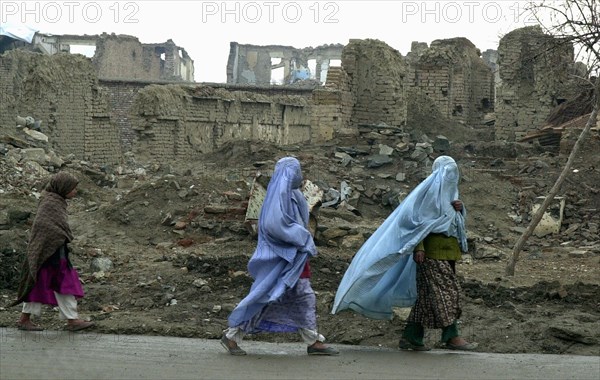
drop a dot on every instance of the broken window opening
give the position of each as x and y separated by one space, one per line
444 92
163 57
86 50
277 75
275 61
324 70
335 63
312 68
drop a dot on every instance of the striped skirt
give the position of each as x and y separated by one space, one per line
438 295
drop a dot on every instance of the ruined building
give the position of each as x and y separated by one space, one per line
90 109
62 91
452 73
535 76
264 65
377 76
123 57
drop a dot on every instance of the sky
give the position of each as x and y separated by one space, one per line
206 28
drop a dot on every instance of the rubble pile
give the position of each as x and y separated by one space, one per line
168 242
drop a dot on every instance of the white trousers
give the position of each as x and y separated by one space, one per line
308 336
67 307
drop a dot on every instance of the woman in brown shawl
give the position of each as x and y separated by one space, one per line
47 276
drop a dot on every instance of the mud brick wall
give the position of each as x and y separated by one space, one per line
102 138
332 107
534 71
377 81
122 95
61 91
179 122
456 78
124 57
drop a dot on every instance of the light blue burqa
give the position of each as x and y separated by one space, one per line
284 242
382 274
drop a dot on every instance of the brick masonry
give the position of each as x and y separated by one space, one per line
102 120
535 75
377 82
61 91
452 73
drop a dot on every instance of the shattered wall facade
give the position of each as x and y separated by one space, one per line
534 72
62 91
253 64
377 75
102 120
124 57
452 73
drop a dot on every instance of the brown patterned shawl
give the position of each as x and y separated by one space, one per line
50 230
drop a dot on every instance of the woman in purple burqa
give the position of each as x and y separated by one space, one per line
281 298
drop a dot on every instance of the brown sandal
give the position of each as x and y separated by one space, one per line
29 326
79 326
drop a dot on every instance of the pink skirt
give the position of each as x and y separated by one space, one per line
63 280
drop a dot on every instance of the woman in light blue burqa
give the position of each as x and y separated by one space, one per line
281 298
410 260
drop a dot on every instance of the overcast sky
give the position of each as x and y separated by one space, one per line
205 28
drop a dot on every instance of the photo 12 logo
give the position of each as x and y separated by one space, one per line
465 11
253 12
25 12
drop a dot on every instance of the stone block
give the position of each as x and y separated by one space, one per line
552 219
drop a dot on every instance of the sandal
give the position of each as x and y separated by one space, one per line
237 351
463 347
29 326
406 345
79 325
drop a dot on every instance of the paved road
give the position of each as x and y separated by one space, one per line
66 355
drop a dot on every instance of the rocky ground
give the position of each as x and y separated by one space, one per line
162 248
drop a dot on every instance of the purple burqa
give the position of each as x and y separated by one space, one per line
284 245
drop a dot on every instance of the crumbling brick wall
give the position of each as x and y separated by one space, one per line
534 72
332 107
62 92
180 122
126 58
377 76
452 73
122 95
